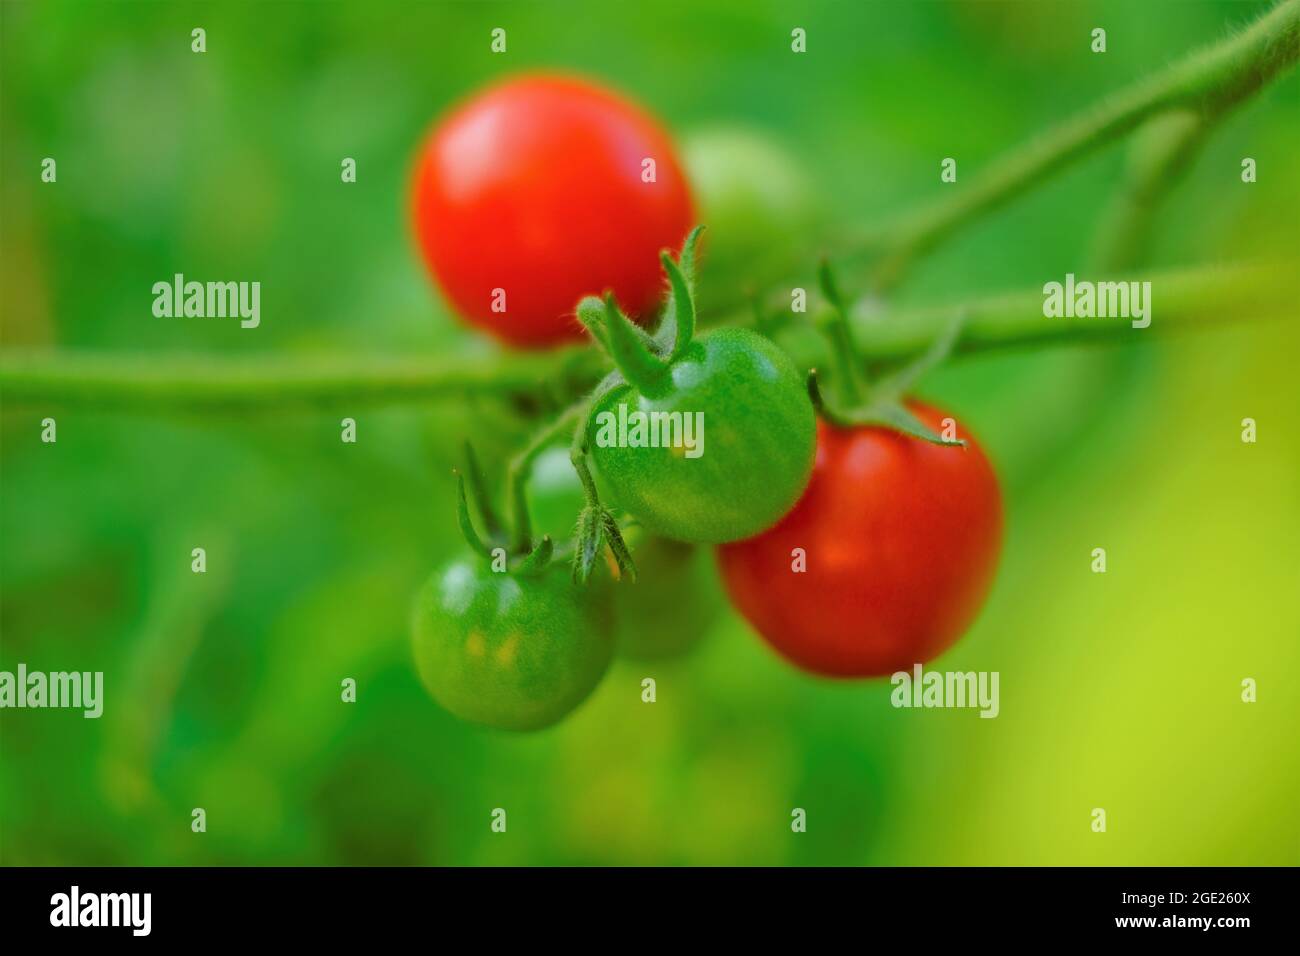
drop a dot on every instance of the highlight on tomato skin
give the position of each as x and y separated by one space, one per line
901 540
539 190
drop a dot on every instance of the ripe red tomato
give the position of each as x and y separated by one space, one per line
901 540
535 187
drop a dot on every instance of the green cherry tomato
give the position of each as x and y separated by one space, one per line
753 449
671 605
555 495
676 596
511 651
760 205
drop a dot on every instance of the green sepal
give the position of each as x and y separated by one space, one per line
463 518
538 559
617 546
630 351
666 338
478 488
587 546
591 313
884 412
894 415
830 288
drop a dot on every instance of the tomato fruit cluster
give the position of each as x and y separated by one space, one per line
857 543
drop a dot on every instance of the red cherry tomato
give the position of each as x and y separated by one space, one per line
901 539
535 187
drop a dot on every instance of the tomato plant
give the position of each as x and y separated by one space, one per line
537 191
900 538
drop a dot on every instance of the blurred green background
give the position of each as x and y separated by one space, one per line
1119 690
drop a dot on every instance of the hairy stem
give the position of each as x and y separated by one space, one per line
521 467
1182 299
1159 155
235 383
1210 82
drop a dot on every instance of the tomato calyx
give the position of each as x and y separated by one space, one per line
641 359
858 403
597 526
514 553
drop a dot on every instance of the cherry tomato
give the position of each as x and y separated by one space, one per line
536 187
512 651
555 495
758 438
670 606
901 539
676 596
760 206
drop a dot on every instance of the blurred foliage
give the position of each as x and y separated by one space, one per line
222 690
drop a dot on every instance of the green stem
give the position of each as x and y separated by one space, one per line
466 522
520 471
834 324
1211 82
479 491
1160 153
234 383
1184 298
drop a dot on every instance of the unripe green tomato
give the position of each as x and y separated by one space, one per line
676 596
671 605
759 206
757 449
555 495
515 652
